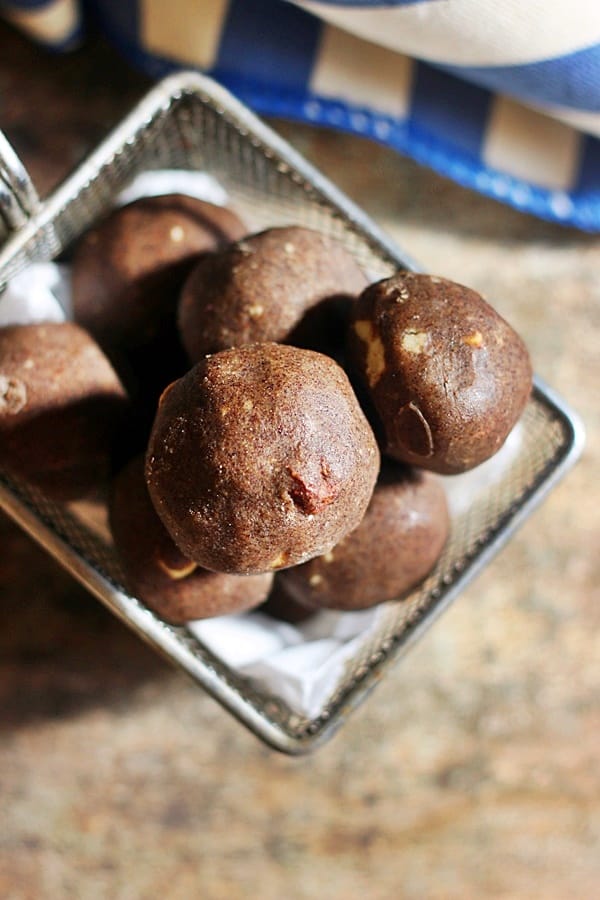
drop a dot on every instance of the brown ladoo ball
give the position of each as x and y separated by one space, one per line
128 270
278 285
260 458
158 573
447 375
395 546
61 404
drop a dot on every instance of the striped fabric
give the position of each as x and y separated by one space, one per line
502 97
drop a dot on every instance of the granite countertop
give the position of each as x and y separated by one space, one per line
471 771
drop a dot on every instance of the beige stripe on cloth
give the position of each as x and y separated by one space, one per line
183 30
50 25
531 146
361 73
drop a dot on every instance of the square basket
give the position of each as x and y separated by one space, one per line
188 122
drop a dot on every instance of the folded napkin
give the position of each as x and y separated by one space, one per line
502 97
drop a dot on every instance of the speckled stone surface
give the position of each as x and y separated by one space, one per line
471 771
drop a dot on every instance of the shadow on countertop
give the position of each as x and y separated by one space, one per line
61 652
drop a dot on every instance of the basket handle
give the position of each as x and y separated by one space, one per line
19 200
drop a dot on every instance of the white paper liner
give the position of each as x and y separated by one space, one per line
462 490
38 294
174 181
301 664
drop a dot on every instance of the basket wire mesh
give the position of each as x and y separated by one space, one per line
189 122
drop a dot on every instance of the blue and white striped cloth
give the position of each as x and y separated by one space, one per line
503 97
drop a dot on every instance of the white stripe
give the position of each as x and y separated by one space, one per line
473 32
361 73
531 146
184 30
51 25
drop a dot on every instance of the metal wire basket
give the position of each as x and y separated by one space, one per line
189 122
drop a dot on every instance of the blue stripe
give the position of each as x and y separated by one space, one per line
588 181
124 17
572 80
266 40
449 107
